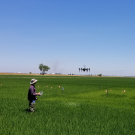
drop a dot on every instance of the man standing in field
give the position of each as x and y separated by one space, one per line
32 95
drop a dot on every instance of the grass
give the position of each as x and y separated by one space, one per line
82 108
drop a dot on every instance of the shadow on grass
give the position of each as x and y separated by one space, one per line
133 98
27 110
114 95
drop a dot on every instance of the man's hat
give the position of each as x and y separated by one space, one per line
33 81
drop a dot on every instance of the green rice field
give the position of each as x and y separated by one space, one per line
86 106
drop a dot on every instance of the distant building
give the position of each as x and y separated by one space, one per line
58 73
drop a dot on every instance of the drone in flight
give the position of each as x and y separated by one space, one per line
84 69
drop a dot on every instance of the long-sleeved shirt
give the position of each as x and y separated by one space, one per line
32 93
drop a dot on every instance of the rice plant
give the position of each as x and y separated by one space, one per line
86 106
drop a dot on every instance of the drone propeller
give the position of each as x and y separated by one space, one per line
81 69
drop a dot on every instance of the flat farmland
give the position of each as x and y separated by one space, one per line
85 105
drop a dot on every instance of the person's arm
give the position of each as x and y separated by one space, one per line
38 94
34 93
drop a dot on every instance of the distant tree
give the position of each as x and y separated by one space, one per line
30 72
99 75
40 67
43 68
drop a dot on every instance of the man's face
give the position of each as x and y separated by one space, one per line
34 83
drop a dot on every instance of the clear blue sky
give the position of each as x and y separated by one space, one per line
68 34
